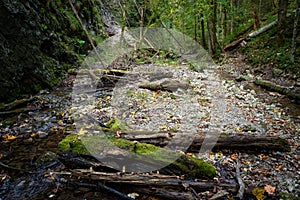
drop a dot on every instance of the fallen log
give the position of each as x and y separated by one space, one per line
233 44
268 85
243 143
155 181
262 29
129 156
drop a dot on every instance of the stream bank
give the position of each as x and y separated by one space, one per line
42 129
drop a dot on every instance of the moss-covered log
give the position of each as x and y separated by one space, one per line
277 88
244 143
144 155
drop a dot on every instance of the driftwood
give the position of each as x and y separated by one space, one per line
151 180
156 185
165 85
243 143
233 44
241 191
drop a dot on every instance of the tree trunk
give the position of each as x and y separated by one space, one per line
245 143
212 27
282 10
293 48
203 38
231 27
156 185
223 23
195 25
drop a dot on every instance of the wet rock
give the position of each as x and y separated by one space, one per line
46 159
36 43
41 134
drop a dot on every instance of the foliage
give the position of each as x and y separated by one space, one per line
263 51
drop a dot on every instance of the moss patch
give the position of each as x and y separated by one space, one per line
72 143
117 125
184 165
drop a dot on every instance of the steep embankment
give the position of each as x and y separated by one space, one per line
39 40
270 59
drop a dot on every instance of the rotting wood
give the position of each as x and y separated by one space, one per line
268 85
253 34
241 190
243 143
154 180
233 44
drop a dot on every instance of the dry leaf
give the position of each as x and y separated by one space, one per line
277 168
269 189
245 162
262 156
8 137
233 157
60 122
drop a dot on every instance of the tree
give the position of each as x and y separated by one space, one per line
293 49
281 26
212 27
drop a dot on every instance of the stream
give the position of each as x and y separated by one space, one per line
29 139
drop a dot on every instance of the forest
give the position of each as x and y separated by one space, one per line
150 99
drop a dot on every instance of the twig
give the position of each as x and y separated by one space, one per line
241 191
109 189
13 168
116 192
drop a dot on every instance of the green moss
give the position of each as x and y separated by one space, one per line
184 165
195 167
72 143
117 125
13 104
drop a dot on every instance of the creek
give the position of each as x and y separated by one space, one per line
27 138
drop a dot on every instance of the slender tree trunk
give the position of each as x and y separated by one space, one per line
231 27
293 49
282 10
223 22
259 9
195 25
203 37
212 27
182 16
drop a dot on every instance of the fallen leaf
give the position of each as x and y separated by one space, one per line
233 157
245 162
60 122
269 189
278 168
8 137
263 156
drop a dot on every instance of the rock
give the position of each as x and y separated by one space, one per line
41 134
46 158
39 41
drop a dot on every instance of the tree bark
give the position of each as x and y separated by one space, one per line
231 27
244 143
223 22
263 29
203 38
281 26
212 27
155 181
293 48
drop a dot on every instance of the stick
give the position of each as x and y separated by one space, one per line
241 191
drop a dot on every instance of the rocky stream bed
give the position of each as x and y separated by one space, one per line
207 101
